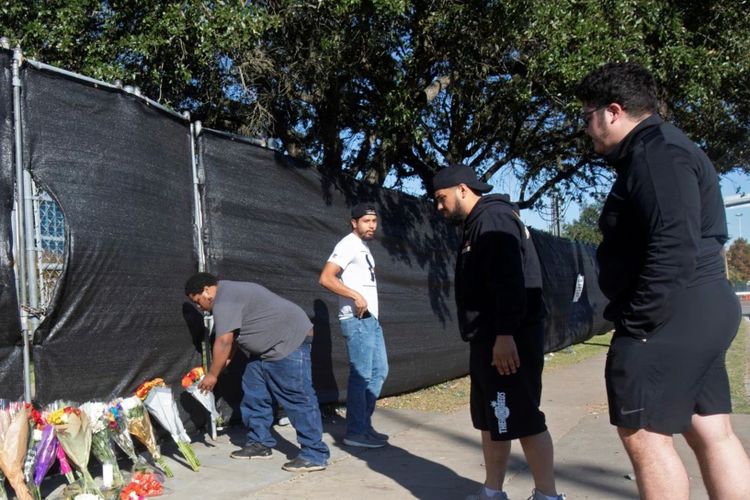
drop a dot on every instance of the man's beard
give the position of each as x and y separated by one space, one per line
455 218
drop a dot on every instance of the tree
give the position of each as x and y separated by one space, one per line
390 90
586 227
738 261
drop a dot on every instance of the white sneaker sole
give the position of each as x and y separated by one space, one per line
360 444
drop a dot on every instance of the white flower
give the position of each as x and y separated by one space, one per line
96 412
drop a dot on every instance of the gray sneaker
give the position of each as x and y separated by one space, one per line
480 495
301 465
252 451
536 495
364 441
377 435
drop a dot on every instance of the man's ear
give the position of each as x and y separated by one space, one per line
616 110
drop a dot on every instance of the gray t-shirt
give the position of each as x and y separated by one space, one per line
270 326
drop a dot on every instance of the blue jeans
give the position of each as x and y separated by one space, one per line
289 380
368 367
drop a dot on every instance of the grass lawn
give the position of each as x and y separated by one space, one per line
453 394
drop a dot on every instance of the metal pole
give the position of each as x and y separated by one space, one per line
197 204
198 180
739 219
26 269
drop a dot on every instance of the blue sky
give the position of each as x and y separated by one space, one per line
738 219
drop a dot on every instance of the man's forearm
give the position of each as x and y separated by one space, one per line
222 350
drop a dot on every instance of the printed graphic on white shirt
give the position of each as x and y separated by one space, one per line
353 256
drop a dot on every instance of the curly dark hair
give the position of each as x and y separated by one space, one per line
197 282
628 84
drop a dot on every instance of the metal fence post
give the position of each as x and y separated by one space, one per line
26 260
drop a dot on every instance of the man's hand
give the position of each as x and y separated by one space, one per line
361 304
208 383
505 355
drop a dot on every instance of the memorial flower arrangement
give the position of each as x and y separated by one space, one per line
14 436
36 425
158 399
73 430
190 383
118 429
101 444
139 425
46 453
142 485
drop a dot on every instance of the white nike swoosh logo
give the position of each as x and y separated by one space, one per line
623 411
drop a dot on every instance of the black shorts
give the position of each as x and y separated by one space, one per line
508 405
659 382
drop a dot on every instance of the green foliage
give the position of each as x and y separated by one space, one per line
395 87
738 261
586 227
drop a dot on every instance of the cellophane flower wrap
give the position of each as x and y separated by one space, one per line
101 444
65 468
3 493
190 383
139 425
161 404
118 429
46 453
14 437
73 430
36 425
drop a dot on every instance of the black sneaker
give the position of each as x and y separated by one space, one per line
302 465
252 451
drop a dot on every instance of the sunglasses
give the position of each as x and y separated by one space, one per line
586 115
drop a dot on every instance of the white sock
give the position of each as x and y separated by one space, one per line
490 492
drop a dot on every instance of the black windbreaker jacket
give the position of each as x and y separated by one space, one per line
663 226
498 277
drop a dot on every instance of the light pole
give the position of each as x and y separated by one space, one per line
739 221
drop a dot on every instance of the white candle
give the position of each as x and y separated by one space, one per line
107 475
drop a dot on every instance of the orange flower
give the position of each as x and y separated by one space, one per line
145 388
193 376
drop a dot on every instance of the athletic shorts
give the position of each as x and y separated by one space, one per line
508 405
660 381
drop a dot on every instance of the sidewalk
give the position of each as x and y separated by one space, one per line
436 456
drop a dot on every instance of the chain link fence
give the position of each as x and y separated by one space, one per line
50 237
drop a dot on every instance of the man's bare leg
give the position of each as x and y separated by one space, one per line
659 471
725 466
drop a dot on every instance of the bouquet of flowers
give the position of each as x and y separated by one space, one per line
118 429
14 436
73 430
101 446
143 485
36 423
190 383
46 454
139 425
160 403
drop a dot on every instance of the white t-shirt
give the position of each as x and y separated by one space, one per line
358 273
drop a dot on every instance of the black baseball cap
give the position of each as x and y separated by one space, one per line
456 174
362 209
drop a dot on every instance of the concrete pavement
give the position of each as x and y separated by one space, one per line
435 456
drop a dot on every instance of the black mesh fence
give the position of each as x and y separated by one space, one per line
120 172
275 222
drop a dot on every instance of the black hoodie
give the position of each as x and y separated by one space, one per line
498 277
